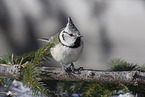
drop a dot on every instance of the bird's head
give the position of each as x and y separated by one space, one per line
70 35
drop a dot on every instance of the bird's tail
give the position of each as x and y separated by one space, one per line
44 39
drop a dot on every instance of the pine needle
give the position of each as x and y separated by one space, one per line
32 73
121 65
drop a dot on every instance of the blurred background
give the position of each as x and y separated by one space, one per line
111 28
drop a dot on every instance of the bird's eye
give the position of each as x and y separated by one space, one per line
71 34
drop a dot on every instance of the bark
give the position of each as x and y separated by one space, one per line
54 73
129 77
10 71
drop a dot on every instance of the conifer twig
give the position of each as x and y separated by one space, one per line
31 73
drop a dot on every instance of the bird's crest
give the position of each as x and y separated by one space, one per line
70 25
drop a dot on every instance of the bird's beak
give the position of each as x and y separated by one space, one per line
79 35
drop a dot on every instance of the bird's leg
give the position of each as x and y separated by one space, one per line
76 71
72 67
63 67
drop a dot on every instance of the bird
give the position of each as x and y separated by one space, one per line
68 45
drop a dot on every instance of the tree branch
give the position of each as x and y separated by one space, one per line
54 73
10 71
130 77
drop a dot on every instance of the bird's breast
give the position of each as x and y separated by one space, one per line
65 55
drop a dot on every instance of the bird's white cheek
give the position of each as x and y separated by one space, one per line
70 40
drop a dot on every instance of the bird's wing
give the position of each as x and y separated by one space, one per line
54 39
